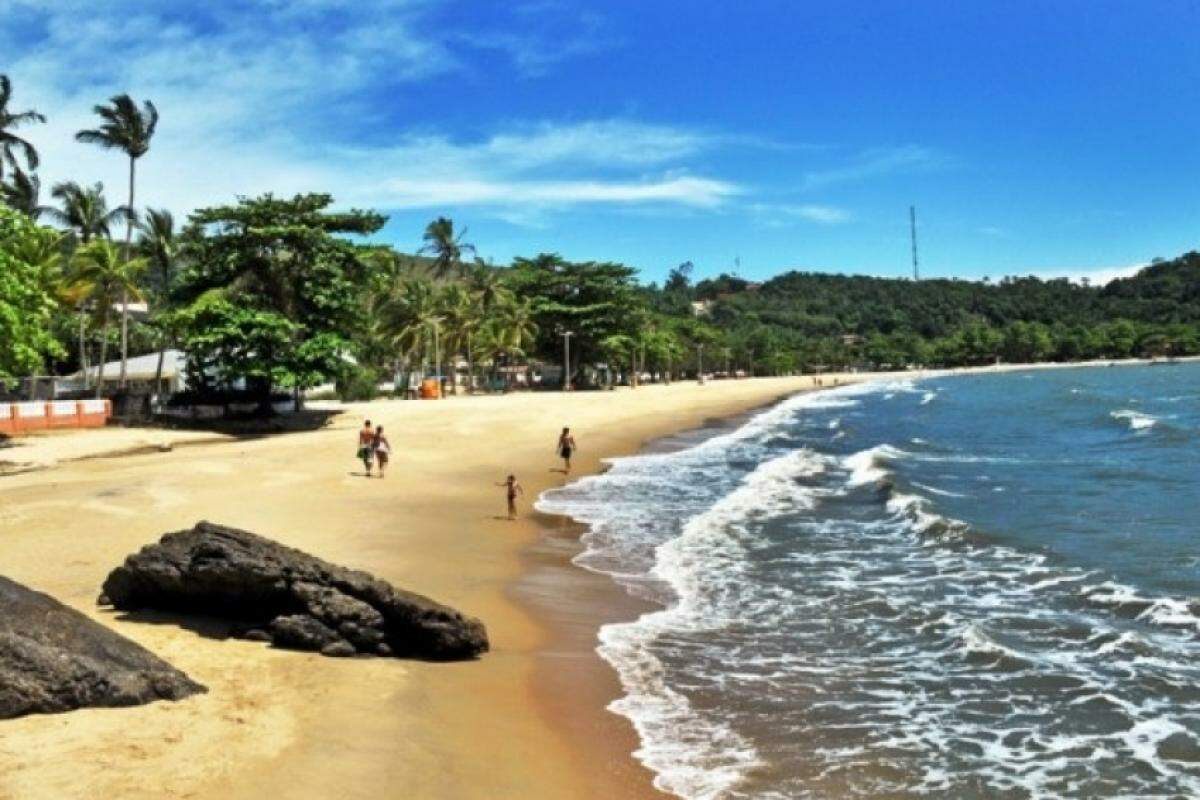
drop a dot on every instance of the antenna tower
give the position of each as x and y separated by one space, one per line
912 221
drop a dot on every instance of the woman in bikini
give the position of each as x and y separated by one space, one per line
566 446
382 448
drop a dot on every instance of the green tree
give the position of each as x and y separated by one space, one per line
592 300
23 193
287 261
158 246
105 279
27 303
84 211
445 246
127 128
10 143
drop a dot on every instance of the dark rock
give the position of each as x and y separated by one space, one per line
338 649
302 601
255 635
52 658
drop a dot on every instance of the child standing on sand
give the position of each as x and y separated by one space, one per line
366 451
514 489
566 446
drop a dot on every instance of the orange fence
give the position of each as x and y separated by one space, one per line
18 418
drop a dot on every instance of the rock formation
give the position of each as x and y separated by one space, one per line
52 658
288 597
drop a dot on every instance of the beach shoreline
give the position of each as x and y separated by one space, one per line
307 726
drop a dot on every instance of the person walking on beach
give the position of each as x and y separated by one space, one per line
366 450
566 446
382 448
514 489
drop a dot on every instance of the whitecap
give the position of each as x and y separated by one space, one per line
1136 420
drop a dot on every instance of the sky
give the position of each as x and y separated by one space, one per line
1050 138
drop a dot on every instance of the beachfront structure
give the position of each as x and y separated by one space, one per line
140 372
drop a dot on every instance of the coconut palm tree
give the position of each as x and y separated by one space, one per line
460 309
446 248
85 215
127 128
413 318
84 211
105 279
510 329
10 143
23 193
487 284
158 246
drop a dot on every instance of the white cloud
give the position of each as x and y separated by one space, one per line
783 215
878 162
247 110
1096 276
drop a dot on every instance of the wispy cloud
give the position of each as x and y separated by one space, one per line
776 215
875 163
279 101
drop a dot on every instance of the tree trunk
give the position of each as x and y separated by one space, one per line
470 367
158 370
125 292
103 355
83 360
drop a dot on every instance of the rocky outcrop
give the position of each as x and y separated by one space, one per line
288 597
52 658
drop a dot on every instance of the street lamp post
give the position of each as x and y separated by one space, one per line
567 360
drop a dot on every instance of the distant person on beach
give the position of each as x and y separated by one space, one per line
514 489
366 441
566 446
382 448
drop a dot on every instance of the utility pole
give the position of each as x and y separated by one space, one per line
567 360
912 220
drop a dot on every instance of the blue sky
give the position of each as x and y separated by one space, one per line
1033 137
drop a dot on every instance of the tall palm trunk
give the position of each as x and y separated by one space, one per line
83 359
470 367
125 292
103 353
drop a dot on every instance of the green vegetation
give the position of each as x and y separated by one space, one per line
270 294
27 303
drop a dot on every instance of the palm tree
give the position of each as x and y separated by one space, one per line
10 143
510 329
487 284
158 246
84 211
85 214
23 193
105 279
446 248
413 317
461 312
127 128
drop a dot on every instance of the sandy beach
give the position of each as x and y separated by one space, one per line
527 720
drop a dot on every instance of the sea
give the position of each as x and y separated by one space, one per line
972 586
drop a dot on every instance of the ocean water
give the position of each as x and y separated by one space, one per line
980 586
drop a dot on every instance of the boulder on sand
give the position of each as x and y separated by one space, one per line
52 658
289 597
